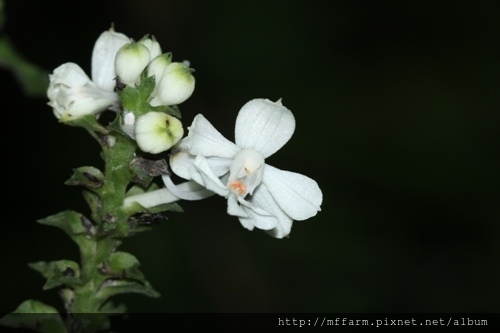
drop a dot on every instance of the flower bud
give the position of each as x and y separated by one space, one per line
153 46
156 132
103 58
131 60
157 67
175 86
128 125
72 94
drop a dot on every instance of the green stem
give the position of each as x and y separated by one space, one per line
84 305
113 219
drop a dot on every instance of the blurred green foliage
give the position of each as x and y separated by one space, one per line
33 79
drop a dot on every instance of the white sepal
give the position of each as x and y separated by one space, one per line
264 126
205 140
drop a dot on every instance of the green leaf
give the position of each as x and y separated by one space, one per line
145 169
87 176
94 202
172 110
58 273
146 86
71 222
123 264
123 268
113 287
110 308
131 99
35 315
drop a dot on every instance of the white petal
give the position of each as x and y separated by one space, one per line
257 216
205 140
188 190
264 126
247 223
203 175
181 162
267 214
218 165
299 196
233 207
103 58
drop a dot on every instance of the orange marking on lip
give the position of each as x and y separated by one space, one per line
238 187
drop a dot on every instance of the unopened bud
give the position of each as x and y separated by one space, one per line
156 132
131 60
153 46
157 67
175 86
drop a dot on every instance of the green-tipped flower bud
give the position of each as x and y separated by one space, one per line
156 132
131 60
157 67
153 46
175 86
72 94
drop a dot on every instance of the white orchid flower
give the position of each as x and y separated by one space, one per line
72 94
260 195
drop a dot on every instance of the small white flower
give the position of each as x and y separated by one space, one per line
156 132
258 194
72 94
175 86
103 58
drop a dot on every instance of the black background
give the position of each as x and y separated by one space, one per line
398 117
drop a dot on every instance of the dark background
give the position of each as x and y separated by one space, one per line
398 115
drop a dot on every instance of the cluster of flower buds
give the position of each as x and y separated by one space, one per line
119 62
174 82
